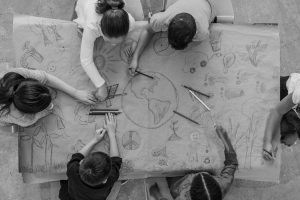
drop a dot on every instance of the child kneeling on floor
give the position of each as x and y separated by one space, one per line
203 185
92 176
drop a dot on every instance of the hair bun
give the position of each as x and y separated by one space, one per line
115 4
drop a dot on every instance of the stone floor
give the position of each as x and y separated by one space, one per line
247 11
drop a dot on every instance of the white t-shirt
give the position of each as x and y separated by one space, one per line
293 86
201 10
89 20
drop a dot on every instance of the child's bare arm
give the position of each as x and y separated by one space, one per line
144 38
110 125
83 96
89 146
222 134
273 124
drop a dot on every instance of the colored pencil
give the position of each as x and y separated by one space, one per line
105 110
185 117
189 88
199 100
139 72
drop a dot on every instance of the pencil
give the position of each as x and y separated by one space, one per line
139 72
199 100
189 88
105 110
185 117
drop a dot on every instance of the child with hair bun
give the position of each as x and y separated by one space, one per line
106 19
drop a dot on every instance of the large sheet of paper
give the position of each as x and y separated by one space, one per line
238 66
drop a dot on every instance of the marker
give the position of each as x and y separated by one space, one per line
189 88
185 117
139 72
199 100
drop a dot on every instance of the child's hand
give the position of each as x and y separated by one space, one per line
85 97
101 93
99 134
110 124
132 67
268 153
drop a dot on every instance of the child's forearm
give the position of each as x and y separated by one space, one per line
59 84
272 127
144 38
113 147
88 147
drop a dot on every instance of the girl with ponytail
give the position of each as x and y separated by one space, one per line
107 19
25 96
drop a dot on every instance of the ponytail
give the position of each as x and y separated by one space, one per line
105 5
27 95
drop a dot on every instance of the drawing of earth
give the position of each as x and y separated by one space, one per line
149 103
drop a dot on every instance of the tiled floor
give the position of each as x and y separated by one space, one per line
11 186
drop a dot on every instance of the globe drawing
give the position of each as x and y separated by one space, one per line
149 103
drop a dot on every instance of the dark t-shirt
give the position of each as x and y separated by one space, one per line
78 190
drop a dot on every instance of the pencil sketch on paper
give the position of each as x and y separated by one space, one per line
30 52
81 114
75 148
255 52
105 58
48 33
211 80
215 40
194 60
46 135
231 93
127 49
151 106
160 152
127 167
174 128
131 140
228 61
161 45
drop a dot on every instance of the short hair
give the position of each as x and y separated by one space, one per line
115 20
95 168
181 31
26 94
205 187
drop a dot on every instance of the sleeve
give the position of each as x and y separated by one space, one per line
202 31
86 57
7 119
73 164
39 75
115 168
226 176
158 23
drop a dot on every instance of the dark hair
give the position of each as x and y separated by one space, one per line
95 168
205 187
115 20
290 124
27 95
181 31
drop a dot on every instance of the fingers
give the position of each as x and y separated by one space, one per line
267 155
